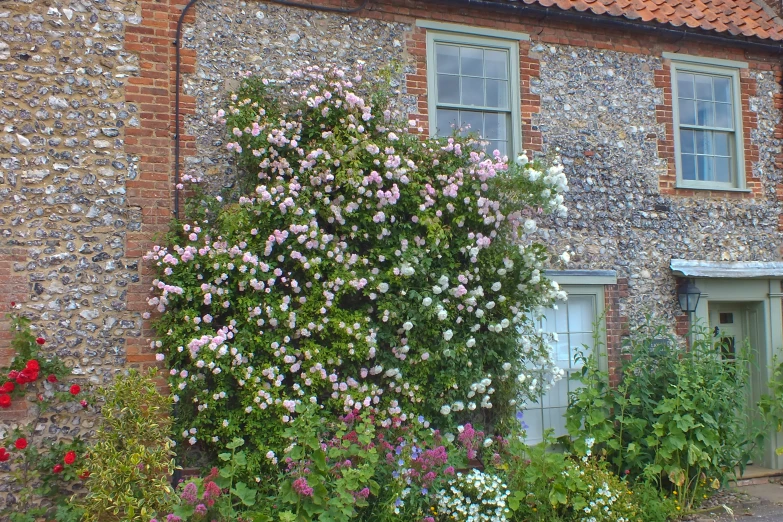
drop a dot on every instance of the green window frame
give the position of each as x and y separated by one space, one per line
475 80
707 116
549 411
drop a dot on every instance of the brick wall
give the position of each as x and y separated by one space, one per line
154 90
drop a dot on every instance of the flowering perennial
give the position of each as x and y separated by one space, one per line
368 269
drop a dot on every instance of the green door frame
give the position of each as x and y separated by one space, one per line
768 293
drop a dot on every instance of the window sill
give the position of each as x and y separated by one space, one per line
709 188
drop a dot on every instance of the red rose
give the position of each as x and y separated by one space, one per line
70 457
21 443
32 364
84 475
13 374
75 389
5 401
13 303
27 375
4 455
8 387
40 340
52 378
57 468
83 403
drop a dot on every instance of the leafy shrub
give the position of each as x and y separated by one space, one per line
771 404
330 466
676 417
218 496
367 269
653 506
42 470
131 460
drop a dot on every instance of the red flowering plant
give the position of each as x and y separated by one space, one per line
41 469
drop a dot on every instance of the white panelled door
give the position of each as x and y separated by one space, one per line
573 321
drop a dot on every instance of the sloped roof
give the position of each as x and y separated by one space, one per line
748 18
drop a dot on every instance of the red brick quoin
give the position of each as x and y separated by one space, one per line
153 91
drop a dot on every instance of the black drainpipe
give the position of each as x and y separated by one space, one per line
177 46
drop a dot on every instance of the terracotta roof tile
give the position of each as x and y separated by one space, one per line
737 17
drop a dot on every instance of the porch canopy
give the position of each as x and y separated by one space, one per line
727 269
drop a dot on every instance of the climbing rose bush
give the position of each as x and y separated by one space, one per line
366 268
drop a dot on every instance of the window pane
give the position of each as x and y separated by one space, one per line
722 89
581 343
687 112
447 58
723 116
688 166
722 170
448 89
685 85
447 122
472 61
704 165
580 313
496 64
472 122
495 125
704 142
721 142
703 87
497 93
472 91
704 114
500 146
686 141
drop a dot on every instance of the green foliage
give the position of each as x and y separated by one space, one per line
356 253
131 461
549 485
330 464
677 416
771 404
654 506
220 496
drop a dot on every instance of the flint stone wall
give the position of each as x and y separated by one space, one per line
63 210
597 111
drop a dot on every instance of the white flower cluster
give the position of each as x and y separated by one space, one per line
475 497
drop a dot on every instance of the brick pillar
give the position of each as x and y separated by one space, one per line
152 192
616 327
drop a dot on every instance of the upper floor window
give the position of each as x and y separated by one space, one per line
473 85
708 127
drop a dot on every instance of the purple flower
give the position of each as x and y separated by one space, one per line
201 509
190 493
301 486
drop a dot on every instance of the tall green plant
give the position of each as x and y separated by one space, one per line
678 415
131 461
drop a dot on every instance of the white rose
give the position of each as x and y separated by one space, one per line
426 301
407 326
448 334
